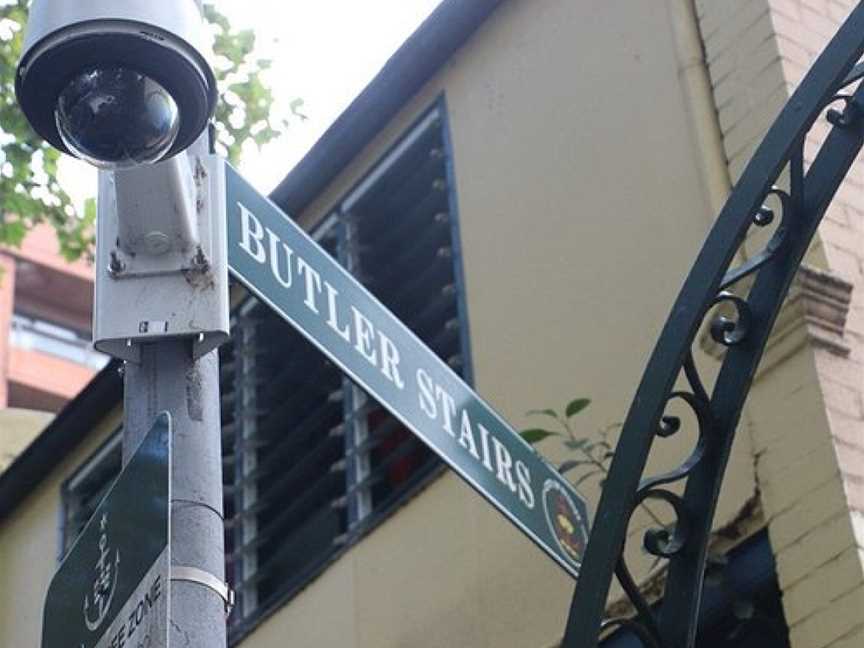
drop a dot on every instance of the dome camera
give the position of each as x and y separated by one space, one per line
116 83
115 117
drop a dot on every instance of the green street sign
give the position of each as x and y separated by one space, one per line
284 267
112 588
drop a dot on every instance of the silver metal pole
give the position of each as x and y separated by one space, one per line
167 378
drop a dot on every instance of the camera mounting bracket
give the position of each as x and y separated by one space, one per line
161 257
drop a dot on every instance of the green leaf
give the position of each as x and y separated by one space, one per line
90 210
13 233
576 444
576 406
296 106
22 179
535 435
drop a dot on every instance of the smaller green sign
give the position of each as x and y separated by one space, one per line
281 264
112 589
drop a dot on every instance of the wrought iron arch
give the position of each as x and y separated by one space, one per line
830 89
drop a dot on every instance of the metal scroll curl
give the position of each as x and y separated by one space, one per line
742 328
763 217
668 541
730 331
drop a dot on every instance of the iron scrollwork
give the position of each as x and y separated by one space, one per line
748 311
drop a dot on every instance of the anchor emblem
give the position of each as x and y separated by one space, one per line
105 584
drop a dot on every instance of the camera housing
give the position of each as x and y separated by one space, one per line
86 64
114 117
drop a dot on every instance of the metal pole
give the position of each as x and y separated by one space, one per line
167 378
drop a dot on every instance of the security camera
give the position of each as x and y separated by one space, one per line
117 83
126 86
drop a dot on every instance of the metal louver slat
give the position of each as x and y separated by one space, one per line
319 493
296 436
299 551
404 225
327 460
325 452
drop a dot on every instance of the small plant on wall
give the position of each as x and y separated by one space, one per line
592 454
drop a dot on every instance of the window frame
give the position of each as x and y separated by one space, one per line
34 333
434 115
113 443
359 524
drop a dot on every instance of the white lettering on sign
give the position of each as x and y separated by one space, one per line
142 621
436 403
105 582
350 324
253 235
286 278
333 315
390 360
313 283
136 618
359 333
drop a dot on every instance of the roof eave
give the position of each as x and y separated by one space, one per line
70 427
413 64
447 28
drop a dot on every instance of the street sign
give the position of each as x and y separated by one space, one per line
112 589
284 267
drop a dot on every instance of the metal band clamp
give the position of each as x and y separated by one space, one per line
208 580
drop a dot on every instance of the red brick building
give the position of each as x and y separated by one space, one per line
46 355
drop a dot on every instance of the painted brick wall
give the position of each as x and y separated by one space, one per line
7 293
806 412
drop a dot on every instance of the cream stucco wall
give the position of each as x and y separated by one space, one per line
583 202
18 428
807 415
30 545
582 206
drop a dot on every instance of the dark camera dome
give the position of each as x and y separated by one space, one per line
115 117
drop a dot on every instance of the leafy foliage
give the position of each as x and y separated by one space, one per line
243 113
29 191
536 435
593 453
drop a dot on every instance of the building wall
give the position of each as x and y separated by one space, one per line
30 546
19 427
581 167
806 409
7 292
38 282
576 237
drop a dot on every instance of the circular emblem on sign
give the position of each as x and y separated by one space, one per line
565 522
107 574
